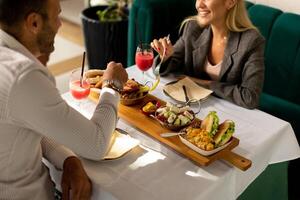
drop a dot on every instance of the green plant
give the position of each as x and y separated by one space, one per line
116 10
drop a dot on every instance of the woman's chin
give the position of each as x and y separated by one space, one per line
203 21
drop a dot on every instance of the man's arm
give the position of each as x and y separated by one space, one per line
74 183
55 153
36 103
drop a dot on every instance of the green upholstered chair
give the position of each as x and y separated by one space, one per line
281 93
282 59
248 4
263 18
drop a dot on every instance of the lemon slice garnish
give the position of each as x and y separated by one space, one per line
155 84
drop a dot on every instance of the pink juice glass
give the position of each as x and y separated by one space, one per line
144 60
79 92
144 57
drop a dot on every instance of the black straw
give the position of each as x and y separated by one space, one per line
139 36
82 68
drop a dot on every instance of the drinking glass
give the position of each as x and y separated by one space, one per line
79 91
144 57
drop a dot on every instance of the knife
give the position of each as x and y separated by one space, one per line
122 131
171 134
185 94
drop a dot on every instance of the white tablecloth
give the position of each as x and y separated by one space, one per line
152 171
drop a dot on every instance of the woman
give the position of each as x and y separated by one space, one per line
222 49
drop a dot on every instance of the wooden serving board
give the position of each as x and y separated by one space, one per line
150 126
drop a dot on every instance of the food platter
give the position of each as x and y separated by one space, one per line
148 125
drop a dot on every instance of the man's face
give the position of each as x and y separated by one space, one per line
51 24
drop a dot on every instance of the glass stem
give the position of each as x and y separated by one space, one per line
143 80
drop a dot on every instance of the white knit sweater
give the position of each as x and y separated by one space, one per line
35 121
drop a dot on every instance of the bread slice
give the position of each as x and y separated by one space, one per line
225 131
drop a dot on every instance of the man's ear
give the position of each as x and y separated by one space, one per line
34 22
230 3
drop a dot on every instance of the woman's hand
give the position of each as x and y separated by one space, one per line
75 183
160 45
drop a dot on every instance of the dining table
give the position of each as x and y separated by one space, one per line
155 171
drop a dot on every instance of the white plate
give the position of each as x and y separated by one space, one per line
120 145
203 152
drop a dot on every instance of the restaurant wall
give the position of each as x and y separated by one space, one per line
285 5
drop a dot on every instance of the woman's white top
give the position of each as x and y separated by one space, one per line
212 70
36 122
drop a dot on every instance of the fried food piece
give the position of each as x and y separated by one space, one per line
200 138
99 83
94 80
93 73
131 86
94 77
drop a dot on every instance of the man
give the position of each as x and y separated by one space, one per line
34 119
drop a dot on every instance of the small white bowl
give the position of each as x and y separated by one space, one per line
201 151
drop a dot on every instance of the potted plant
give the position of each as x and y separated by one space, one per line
117 10
105 30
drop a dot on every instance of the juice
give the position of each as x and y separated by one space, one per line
144 60
79 92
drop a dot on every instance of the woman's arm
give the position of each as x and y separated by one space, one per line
175 61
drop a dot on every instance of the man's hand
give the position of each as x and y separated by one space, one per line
75 183
115 71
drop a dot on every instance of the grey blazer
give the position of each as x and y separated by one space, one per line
242 70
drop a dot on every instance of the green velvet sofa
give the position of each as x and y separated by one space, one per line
281 92
151 19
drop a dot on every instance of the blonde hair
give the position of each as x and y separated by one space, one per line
237 19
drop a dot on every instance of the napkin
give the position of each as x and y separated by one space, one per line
120 145
194 91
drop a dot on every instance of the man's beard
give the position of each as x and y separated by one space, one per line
45 39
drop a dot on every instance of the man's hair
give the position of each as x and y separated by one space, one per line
12 12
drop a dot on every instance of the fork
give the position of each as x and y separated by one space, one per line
157 68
